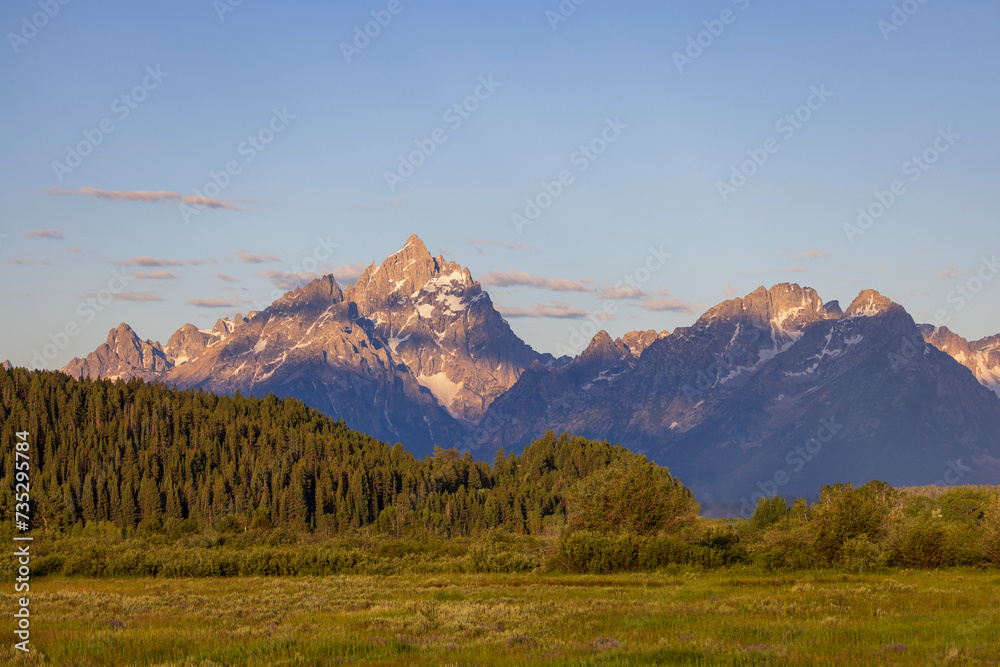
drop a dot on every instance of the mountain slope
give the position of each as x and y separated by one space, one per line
727 402
413 351
982 357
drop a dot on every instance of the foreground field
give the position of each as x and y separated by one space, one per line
719 618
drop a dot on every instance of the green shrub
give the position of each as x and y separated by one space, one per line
768 512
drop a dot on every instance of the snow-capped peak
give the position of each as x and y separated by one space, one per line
869 303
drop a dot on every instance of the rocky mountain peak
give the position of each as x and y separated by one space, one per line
404 272
637 341
322 292
601 346
6 365
869 303
833 308
123 355
123 333
786 307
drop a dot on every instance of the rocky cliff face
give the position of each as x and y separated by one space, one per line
123 356
982 357
440 324
190 342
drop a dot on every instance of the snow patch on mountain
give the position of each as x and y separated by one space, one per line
443 389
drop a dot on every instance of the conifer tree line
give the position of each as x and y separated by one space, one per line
146 455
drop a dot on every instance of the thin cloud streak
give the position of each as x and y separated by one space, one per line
138 296
660 304
525 279
251 258
557 310
214 303
147 196
154 275
53 234
811 253
501 244
155 261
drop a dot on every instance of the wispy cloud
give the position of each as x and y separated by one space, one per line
730 292
154 275
138 296
811 253
25 261
950 273
349 273
251 258
500 244
665 303
155 261
622 292
792 269
147 196
214 303
53 234
287 280
227 278
556 309
142 297
525 279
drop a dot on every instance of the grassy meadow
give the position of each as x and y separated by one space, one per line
943 617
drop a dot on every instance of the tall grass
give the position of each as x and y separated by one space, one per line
691 617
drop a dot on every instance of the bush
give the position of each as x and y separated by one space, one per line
768 512
498 552
918 544
860 554
634 495
595 553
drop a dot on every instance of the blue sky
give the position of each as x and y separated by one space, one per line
200 78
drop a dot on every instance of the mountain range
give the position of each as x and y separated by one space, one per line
775 392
